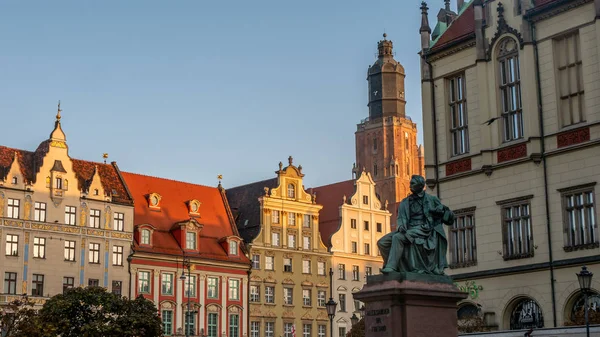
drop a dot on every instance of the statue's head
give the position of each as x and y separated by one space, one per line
417 184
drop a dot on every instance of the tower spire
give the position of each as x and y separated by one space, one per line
385 47
58 112
424 18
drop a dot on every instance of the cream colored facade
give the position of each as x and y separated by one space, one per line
354 248
511 183
284 295
38 246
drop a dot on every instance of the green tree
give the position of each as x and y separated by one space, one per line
19 319
93 312
358 329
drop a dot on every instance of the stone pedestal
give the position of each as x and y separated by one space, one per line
410 305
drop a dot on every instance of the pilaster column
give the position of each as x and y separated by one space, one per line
224 295
244 297
156 286
179 301
202 298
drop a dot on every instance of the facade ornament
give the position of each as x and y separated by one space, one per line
471 288
290 160
503 28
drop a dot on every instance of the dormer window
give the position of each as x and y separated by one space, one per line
190 240
145 237
194 207
154 200
96 192
291 191
14 180
233 248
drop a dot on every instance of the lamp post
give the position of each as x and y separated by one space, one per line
187 264
331 304
354 319
585 282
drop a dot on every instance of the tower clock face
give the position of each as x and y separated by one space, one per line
375 88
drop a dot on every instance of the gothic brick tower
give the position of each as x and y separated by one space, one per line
386 141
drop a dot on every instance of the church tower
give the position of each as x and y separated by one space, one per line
386 141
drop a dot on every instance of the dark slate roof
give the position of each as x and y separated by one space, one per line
245 207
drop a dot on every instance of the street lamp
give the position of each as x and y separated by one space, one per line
585 281
187 264
331 304
354 319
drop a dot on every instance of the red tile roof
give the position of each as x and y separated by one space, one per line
215 216
331 197
462 27
30 163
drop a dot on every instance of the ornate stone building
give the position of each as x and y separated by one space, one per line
279 222
64 222
183 229
511 115
386 141
351 222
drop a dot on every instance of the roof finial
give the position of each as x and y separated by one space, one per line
424 18
105 156
447 4
384 35
220 177
58 113
290 160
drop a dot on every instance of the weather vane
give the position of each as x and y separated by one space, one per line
105 156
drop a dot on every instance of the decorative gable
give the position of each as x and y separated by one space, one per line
15 178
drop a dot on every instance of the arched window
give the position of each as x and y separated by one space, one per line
406 140
577 314
467 310
291 193
145 237
526 314
509 82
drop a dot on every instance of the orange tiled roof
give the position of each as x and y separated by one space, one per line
331 197
215 216
30 163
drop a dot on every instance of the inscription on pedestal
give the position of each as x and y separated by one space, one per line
377 320
380 316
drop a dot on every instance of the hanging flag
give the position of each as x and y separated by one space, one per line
294 330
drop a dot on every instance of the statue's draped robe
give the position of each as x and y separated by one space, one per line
426 244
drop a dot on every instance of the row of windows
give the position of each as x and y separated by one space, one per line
38 280
570 91
366 225
191 239
212 319
291 242
355 272
579 225
167 282
366 251
39 214
288 297
39 250
288 330
306 218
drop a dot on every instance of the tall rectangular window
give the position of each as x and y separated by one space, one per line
342 331
234 325
234 289
342 271
321 298
94 253
463 248
10 283
69 250
355 273
117 286
306 330
119 221
342 300
288 330
287 265
12 245
321 268
190 240
70 215
368 271
322 330
213 287
367 249
291 241
269 262
39 248
189 287
579 218
13 208
353 223
288 296
458 115
144 282
291 218
254 329
68 283
95 218
255 261
213 325
306 266
510 89
518 237
307 221
269 329
379 227
167 320
274 216
306 244
39 212
275 239
269 294
166 284
569 78
366 223
190 324
354 246
306 297
117 255
37 285
254 293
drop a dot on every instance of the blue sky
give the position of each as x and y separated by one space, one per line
191 89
